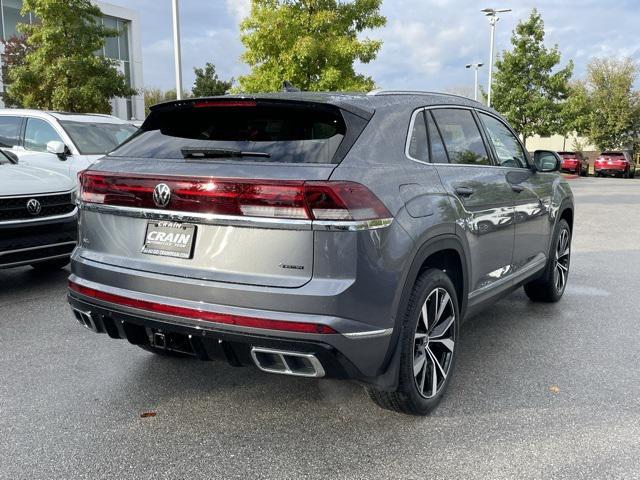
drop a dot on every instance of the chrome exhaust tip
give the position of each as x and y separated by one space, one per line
287 363
85 319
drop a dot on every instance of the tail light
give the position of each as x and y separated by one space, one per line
290 199
203 315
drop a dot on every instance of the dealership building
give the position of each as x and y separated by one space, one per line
125 48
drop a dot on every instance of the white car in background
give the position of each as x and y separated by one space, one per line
71 142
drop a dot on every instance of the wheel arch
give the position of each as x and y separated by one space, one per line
446 252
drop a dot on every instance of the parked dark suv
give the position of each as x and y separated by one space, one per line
339 235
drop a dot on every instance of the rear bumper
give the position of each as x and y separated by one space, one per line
353 352
598 168
26 243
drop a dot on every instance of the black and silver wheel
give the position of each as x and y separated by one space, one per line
428 341
434 342
552 284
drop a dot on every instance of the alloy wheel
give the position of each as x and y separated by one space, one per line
563 254
434 342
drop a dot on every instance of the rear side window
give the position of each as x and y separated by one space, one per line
9 130
305 133
418 146
461 136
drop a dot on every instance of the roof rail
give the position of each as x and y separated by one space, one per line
415 92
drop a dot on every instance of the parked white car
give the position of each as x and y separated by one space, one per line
70 142
38 215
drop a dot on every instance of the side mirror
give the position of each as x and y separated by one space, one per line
546 161
58 148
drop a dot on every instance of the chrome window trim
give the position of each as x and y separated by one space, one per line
459 107
237 221
28 221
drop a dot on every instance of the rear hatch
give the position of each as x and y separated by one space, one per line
222 189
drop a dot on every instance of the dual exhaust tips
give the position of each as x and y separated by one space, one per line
266 359
287 363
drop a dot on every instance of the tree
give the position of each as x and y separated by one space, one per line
575 112
16 48
61 72
615 105
526 89
207 83
311 43
153 96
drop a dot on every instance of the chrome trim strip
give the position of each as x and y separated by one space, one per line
318 371
370 334
27 221
35 260
8 252
27 197
351 226
519 273
230 220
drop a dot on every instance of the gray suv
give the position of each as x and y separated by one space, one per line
318 235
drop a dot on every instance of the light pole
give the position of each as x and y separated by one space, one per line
176 49
475 66
492 13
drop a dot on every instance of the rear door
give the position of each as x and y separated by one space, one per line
531 191
238 214
478 190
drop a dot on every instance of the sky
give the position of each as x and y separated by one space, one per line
427 43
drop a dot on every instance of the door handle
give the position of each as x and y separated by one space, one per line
517 188
464 191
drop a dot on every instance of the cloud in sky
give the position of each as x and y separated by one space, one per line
426 42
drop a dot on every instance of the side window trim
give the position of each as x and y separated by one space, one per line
412 123
515 135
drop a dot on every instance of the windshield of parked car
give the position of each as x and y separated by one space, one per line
612 154
97 138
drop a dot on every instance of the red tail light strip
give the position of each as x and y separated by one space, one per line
191 313
275 199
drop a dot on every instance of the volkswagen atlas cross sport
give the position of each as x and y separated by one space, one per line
38 215
318 235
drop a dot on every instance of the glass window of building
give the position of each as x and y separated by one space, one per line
11 17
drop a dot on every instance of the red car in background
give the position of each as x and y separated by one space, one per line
574 162
615 163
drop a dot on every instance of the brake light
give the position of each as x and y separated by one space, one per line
196 314
291 199
224 103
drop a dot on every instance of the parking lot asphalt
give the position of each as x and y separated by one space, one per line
539 391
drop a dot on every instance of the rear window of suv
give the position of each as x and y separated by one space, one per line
306 133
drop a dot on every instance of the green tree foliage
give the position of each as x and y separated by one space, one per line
526 88
61 71
311 43
575 111
614 120
207 83
16 48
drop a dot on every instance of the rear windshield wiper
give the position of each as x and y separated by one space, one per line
220 153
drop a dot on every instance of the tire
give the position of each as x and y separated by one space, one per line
50 265
632 173
551 285
626 174
432 353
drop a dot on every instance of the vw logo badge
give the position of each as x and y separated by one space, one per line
161 195
34 207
